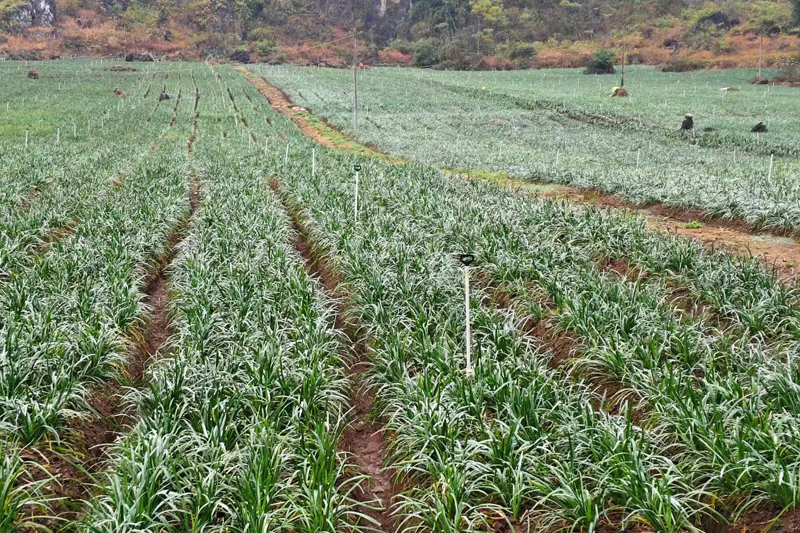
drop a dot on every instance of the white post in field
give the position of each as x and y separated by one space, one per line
357 168
771 158
466 260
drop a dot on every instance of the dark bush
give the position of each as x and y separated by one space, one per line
522 51
602 62
428 52
242 55
681 64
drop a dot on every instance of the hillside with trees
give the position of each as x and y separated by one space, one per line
463 34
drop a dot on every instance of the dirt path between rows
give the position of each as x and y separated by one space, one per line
74 470
363 438
780 253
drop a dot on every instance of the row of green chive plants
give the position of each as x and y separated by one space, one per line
47 186
102 307
66 312
435 119
48 190
764 335
515 442
657 98
743 291
723 396
239 429
64 317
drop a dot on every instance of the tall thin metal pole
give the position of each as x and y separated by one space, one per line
468 335
355 80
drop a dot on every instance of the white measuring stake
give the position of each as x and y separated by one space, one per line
58 135
355 200
286 155
26 137
638 157
313 163
468 335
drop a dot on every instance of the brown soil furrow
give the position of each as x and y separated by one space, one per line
730 235
75 463
363 438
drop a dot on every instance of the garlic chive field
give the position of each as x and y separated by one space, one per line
562 126
193 310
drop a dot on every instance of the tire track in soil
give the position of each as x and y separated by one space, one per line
734 236
74 467
363 438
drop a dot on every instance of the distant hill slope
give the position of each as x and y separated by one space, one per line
684 34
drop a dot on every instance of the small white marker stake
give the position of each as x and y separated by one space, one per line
313 163
468 335
357 168
769 176
638 157
26 137
74 131
286 155
58 135
466 260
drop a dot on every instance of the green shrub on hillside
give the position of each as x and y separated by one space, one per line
602 62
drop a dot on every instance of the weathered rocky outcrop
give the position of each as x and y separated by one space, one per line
718 20
37 13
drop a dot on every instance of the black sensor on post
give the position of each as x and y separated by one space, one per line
357 167
466 259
